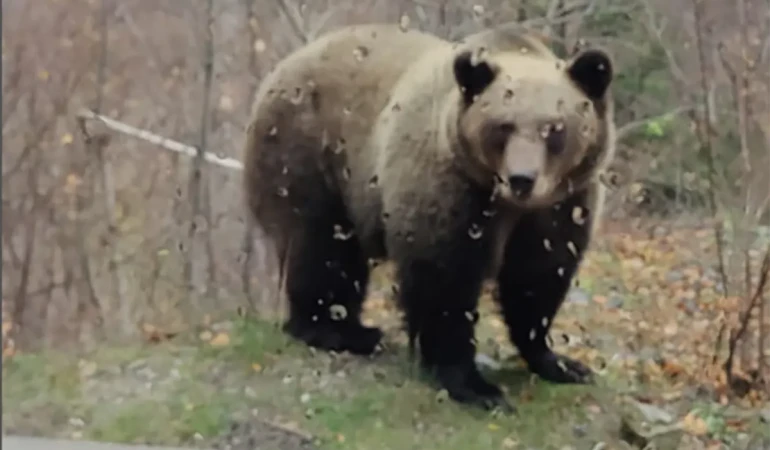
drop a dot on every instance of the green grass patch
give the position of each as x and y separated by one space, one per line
188 415
413 415
251 341
347 402
190 392
30 377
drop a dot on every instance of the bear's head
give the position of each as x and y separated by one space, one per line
537 127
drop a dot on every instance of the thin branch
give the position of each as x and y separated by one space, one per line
735 338
97 146
247 245
740 85
657 33
304 436
321 22
763 51
200 189
295 21
628 128
706 147
160 141
588 11
148 48
554 7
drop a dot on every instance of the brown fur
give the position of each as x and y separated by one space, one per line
329 93
402 145
416 142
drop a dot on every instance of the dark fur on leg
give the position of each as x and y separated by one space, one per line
441 309
440 299
541 258
326 283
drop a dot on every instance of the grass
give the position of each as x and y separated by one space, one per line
386 404
346 402
177 394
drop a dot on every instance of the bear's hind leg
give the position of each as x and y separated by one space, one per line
541 257
326 282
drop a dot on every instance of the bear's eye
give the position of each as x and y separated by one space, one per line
555 137
500 135
506 128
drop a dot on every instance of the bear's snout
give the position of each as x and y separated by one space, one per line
522 184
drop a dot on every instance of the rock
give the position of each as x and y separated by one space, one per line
580 430
136 364
615 301
578 296
690 305
654 414
643 424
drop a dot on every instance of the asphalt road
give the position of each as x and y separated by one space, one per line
30 443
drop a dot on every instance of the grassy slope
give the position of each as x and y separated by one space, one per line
257 389
192 393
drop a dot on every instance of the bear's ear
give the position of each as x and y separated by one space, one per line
591 70
472 75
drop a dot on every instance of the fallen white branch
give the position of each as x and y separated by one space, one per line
168 144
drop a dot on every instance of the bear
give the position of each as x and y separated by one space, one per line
460 162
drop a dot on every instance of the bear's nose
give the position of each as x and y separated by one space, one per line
522 184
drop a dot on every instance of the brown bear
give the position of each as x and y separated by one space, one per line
460 162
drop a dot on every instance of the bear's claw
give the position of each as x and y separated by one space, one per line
355 338
466 385
558 368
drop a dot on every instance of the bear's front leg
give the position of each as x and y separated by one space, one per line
440 301
542 255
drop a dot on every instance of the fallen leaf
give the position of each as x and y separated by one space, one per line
594 408
205 335
154 335
510 443
87 368
8 352
256 367
72 181
694 425
600 299
736 424
671 369
220 340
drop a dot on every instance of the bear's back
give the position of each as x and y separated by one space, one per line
323 98
341 80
